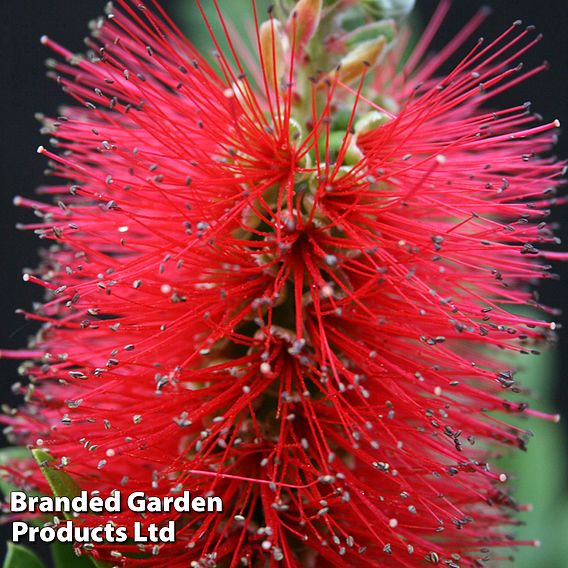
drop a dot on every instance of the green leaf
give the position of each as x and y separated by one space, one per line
20 557
64 557
60 482
62 485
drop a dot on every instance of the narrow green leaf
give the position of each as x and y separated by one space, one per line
64 557
21 557
60 482
61 485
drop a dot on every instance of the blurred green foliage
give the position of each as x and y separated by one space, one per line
21 557
188 16
541 474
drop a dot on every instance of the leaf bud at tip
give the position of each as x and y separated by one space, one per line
273 45
305 20
366 54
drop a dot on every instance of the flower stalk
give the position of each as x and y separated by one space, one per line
285 279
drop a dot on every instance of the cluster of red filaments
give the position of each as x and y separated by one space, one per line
288 285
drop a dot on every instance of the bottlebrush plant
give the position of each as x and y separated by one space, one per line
286 278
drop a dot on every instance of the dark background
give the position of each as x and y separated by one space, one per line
24 91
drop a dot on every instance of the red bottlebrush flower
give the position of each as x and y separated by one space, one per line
285 279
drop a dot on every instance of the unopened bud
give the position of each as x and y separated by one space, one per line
274 46
366 54
240 92
305 20
237 90
353 155
370 122
295 129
